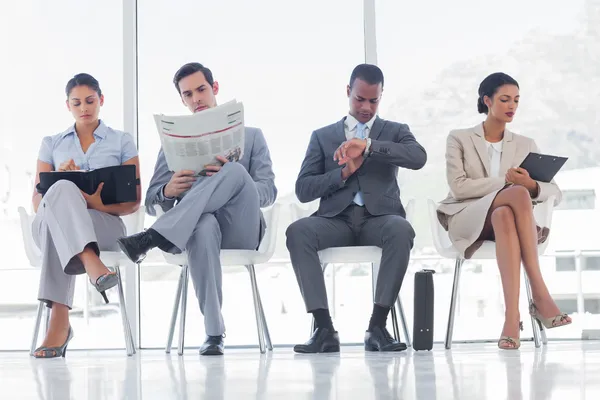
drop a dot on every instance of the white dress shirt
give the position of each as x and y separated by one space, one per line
495 153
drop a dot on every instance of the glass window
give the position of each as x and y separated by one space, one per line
568 306
565 264
592 305
434 54
578 200
49 43
290 66
591 263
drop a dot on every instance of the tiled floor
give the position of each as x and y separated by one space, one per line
563 370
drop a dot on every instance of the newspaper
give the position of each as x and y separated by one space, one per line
192 142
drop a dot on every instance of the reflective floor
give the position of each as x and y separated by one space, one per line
564 370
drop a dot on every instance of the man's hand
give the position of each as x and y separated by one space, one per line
520 176
68 166
350 150
94 201
213 169
351 166
179 183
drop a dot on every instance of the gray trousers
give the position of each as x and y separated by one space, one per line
62 228
352 227
219 212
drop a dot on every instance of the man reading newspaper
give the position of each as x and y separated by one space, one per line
205 214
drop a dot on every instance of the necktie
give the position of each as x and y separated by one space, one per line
360 134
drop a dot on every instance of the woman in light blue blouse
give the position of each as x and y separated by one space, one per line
70 226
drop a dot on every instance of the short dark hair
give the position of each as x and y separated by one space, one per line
85 80
189 69
369 73
490 85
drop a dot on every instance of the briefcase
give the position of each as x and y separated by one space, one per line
423 310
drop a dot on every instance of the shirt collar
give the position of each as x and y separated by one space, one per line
351 122
100 130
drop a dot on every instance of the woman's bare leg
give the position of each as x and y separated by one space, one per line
508 255
519 200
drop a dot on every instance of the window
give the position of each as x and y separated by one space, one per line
578 200
568 306
591 305
434 54
290 66
49 43
565 264
591 263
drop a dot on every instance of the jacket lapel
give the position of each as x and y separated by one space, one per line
478 139
509 150
376 129
340 131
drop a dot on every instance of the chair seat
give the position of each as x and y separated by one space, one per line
112 258
228 258
350 254
487 251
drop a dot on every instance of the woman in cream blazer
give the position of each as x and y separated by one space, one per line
491 199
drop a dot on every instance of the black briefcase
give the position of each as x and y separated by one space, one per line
423 310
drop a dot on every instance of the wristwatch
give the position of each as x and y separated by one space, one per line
367 151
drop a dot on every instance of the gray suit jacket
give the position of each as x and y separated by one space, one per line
256 160
392 146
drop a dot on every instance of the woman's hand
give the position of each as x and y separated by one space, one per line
94 201
68 166
520 176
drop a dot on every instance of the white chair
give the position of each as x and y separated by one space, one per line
112 259
441 241
247 258
358 254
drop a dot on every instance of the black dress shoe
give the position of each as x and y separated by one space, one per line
213 346
136 246
379 339
323 340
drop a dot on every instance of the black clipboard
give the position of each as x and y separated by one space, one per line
542 167
119 182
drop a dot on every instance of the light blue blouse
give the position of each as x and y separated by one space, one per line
111 147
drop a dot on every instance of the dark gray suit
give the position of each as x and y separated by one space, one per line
339 222
219 212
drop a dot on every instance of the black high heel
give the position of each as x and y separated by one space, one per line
105 282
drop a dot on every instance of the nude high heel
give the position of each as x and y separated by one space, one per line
509 343
548 323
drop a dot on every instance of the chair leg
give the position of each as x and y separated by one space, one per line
47 312
395 329
36 329
261 336
544 337
184 292
129 344
404 323
265 327
175 312
453 300
537 329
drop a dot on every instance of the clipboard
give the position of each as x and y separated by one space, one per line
119 182
543 167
